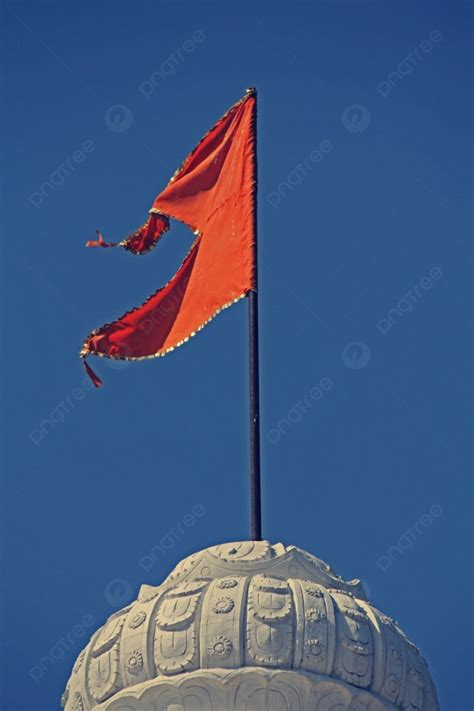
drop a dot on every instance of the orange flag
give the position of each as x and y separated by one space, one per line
214 194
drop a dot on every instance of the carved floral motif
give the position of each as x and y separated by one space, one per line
315 648
220 646
227 583
137 620
391 687
135 662
314 615
223 605
396 656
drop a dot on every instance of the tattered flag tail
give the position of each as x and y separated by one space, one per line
93 376
140 241
213 193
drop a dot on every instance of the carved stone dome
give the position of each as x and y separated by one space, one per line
251 626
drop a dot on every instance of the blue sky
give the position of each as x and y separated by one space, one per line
365 135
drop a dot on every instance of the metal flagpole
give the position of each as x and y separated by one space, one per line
254 386
255 485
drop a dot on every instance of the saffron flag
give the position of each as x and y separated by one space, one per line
213 192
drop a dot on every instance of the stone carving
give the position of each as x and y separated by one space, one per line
236 558
108 634
65 696
224 614
391 687
314 616
220 646
147 593
79 661
319 626
227 583
103 678
135 663
103 675
174 612
137 620
223 605
269 623
76 702
242 551
415 686
354 657
267 627
316 648
247 690
175 643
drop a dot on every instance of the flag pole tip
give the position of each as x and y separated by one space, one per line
251 90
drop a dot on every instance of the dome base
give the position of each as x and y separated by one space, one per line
257 689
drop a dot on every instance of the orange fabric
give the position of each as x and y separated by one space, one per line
141 241
213 193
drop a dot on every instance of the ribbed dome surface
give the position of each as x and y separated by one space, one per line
254 627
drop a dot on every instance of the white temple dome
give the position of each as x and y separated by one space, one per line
251 626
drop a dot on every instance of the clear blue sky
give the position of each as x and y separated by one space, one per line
346 252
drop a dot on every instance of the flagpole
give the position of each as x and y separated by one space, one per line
254 380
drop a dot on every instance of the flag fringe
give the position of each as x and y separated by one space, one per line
249 92
85 352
